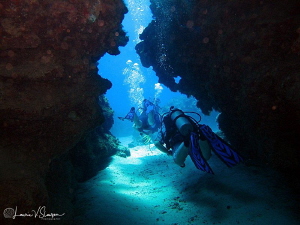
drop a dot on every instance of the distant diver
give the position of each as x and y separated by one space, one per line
148 122
185 136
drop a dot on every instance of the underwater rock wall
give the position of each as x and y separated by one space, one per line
49 89
91 154
240 58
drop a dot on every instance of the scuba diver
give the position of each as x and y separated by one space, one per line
185 136
148 122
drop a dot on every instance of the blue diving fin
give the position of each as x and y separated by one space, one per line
196 155
129 115
222 149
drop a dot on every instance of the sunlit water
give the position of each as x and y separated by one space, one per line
131 81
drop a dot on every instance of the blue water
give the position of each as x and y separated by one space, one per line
142 80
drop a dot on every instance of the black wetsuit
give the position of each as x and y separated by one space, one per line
146 126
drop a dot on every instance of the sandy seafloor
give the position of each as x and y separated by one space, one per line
149 188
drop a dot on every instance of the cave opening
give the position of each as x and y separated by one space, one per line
132 82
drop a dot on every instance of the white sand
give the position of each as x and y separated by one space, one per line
149 188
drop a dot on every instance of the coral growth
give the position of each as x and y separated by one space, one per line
49 86
240 58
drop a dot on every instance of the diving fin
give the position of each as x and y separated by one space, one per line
197 156
222 149
129 115
121 118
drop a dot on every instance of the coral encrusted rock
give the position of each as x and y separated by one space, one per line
240 58
49 86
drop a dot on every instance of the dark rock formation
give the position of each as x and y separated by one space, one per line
240 58
91 154
49 89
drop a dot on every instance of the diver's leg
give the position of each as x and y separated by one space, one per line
151 119
180 152
205 149
137 121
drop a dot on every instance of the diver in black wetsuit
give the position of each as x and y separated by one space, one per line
148 122
185 136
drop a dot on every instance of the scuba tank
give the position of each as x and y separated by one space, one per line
185 127
182 123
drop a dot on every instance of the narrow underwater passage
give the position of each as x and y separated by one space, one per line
132 83
148 188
